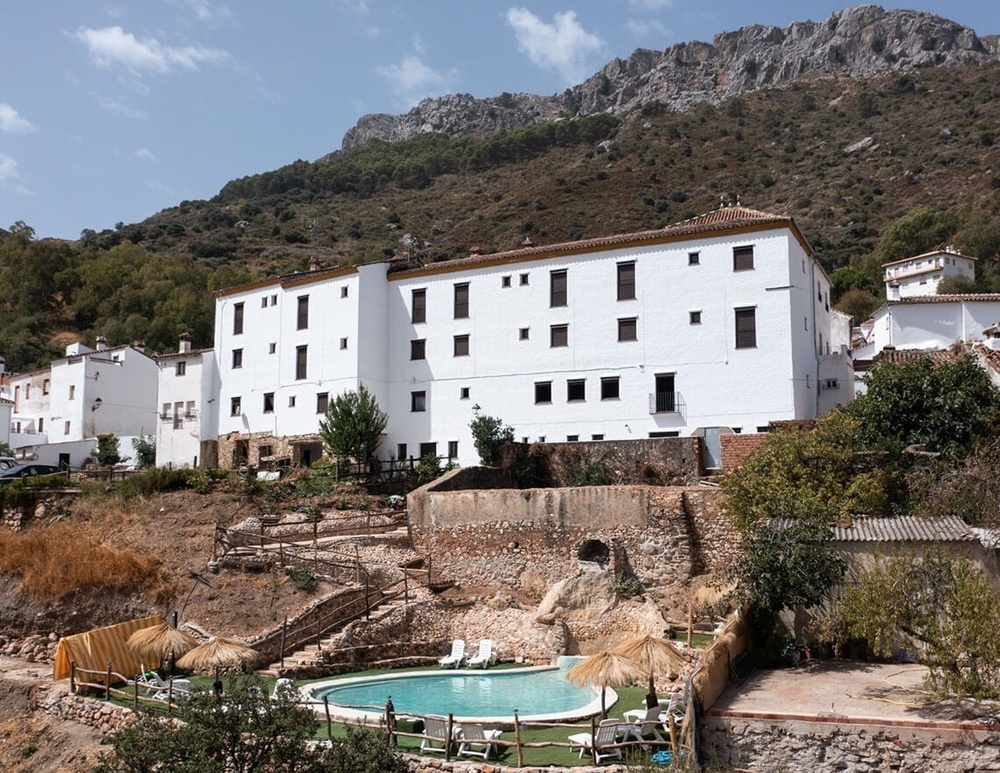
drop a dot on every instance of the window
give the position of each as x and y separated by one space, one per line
263 302
505 281
418 349
322 401
597 437
418 402
452 449
269 402
610 388
694 259
343 343
272 347
66 428
343 292
165 413
523 280
522 334
572 438
301 361
626 281
576 390
401 451
291 401
559 336
557 289
41 424
463 393
45 387
543 392
428 449
743 258
264 451
178 415
72 391
237 319
181 368
746 328
665 397
462 301
274 300
694 317
462 346
418 306
628 329
302 320
237 358
665 433
235 406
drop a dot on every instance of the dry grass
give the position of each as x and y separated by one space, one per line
56 560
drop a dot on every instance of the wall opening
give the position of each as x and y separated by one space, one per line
595 551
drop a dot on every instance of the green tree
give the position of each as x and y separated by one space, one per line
352 426
489 435
812 472
944 605
858 303
145 451
946 407
244 731
917 232
108 453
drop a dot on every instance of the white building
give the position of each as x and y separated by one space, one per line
188 391
920 275
60 410
721 323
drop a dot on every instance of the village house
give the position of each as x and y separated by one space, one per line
920 275
719 324
188 390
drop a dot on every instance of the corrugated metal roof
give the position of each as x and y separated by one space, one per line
902 528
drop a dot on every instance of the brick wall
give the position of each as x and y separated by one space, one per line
736 448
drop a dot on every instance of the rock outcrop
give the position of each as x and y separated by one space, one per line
859 41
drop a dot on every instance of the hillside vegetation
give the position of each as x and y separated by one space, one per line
909 157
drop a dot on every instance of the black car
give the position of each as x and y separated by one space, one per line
28 471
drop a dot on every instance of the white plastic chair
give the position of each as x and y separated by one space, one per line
457 656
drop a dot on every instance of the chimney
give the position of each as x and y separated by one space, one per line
314 264
139 346
102 343
185 343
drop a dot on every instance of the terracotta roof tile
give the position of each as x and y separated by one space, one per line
903 356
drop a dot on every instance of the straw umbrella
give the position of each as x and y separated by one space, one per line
604 670
654 656
160 641
218 654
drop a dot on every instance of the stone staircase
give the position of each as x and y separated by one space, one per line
311 654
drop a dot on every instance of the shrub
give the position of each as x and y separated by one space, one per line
152 481
301 578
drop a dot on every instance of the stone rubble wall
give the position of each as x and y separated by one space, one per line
35 648
17 511
762 745
106 717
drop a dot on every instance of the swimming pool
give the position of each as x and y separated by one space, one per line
537 694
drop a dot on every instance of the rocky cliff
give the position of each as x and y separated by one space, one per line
859 41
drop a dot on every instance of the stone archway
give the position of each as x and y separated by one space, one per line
593 551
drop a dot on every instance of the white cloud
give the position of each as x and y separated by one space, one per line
647 28
413 79
113 46
8 169
117 106
145 154
207 11
563 46
11 122
651 5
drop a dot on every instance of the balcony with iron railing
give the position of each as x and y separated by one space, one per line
664 402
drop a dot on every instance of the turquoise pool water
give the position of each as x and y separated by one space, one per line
467 694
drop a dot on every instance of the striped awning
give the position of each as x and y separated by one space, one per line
94 649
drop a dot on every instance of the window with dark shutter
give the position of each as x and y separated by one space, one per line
557 290
746 328
418 308
626 281
743 258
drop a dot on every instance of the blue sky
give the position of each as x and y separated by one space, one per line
111 111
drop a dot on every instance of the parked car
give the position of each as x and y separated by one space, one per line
6 462
28 471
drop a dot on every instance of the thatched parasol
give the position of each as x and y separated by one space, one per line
217 654
653 655
603 670
160 641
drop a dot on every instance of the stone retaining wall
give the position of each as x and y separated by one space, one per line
768 745
17 509
106 717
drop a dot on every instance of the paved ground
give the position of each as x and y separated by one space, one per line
843 691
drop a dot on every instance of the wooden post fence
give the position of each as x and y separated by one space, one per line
284 635
449 734
135 695
107 683
517 740
72 677
329 725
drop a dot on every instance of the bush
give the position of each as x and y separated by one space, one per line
301 578
154 480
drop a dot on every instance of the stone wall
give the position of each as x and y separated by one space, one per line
766 745
17 509
106 717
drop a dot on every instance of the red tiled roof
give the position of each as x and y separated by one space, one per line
903 356
722 219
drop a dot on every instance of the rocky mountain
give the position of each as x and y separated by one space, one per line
861 41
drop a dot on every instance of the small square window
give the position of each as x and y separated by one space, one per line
523 280
263 302
343 343
576 390
543 392
400 451
181 368
541 438
343 292
522 334
418 402
291 401
628 329
452 449
694 259
66 428
463 393
559 336
274 300
610 388
418 349
269 402
597 437
45 387
572 438
462 346
743 258
272 347
238 358
505 281
694 317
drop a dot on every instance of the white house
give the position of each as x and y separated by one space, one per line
720 323
188 392
60 410
920 275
